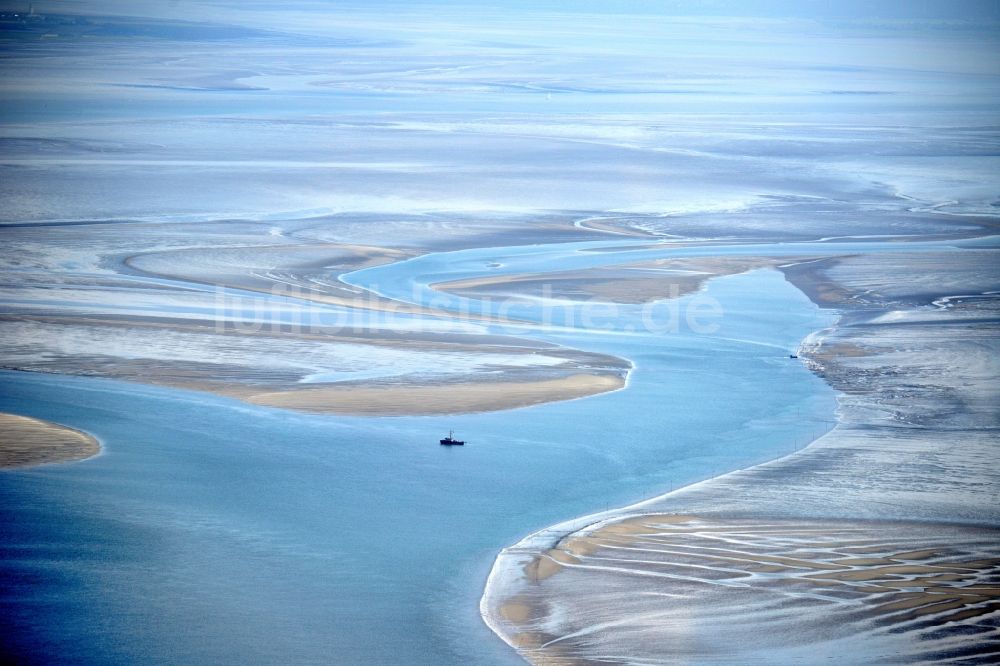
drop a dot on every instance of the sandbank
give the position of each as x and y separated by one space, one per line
25 441
450 398
627 283
470 372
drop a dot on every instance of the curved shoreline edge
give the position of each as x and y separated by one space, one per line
518 556
26 442
866 473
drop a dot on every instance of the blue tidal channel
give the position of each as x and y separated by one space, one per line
211 531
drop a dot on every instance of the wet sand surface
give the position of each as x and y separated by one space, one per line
654 587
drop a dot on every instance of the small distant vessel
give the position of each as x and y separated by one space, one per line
792 356
451 441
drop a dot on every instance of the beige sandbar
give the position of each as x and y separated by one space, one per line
454 398
26 441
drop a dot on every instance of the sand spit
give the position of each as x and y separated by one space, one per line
817 555
316 370
636 282
26 441
450 398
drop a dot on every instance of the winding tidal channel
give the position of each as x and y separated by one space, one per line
213 531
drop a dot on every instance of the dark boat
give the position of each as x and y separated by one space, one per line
451 441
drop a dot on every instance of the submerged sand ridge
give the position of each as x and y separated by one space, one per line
26 441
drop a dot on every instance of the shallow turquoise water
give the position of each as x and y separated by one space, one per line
212 531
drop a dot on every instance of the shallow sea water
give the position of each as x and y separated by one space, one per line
212 531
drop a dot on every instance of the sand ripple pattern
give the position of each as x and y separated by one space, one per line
748 591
